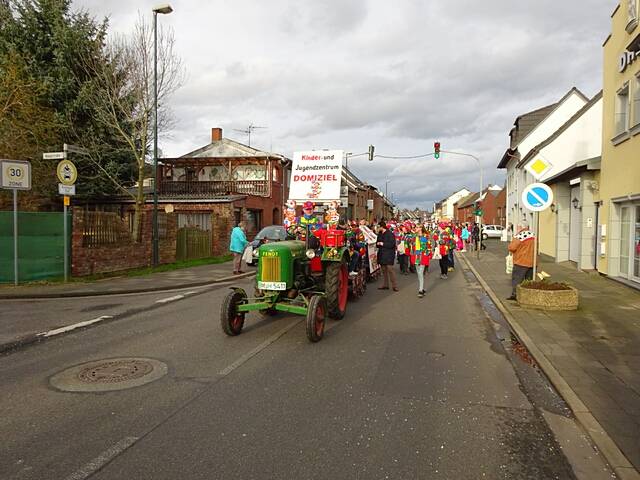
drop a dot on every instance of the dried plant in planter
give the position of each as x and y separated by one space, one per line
545 285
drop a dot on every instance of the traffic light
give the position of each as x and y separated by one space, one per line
371 150
436 149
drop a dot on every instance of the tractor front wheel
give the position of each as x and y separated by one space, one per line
231 320
336 287
316 315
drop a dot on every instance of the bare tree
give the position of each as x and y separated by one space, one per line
124 98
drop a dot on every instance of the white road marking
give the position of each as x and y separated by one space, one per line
247 356
170 299
68 328
101 460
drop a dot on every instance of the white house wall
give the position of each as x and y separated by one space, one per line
518 179
581 141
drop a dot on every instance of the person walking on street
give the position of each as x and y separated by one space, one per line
401 240
465 237
523 249
386 256
442 244
420 255
237 245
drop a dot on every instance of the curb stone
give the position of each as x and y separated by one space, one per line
616 459
10 296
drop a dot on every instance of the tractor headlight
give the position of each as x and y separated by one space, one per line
310 254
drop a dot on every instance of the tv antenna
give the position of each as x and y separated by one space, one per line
248 131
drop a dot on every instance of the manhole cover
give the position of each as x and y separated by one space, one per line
110 374
435 354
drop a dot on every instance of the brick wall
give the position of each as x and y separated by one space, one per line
122 256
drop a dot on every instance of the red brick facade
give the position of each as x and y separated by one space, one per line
493 209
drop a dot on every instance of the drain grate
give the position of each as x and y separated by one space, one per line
115 371
109 375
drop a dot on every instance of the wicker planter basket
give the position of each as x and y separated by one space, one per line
547 299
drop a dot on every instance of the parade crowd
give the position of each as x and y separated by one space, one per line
415 246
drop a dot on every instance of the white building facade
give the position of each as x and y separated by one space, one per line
530 130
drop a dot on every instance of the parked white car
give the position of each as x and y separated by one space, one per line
492 231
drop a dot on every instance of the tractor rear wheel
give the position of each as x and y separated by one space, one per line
231 320
336 288
316 316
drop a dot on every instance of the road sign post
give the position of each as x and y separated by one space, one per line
67 174
15 175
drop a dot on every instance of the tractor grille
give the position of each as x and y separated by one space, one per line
270 269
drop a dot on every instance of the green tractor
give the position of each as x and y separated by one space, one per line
309 277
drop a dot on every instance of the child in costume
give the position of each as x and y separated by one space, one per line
421 251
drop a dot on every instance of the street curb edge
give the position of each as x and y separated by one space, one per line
122 292
614 456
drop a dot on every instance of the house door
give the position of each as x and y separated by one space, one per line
575 228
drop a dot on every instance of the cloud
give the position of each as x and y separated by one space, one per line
399 75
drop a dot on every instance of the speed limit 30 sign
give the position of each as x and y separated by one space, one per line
15 174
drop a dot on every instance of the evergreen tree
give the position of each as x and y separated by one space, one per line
43 49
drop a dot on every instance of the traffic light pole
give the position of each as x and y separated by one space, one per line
479 194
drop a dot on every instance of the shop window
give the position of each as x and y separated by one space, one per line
622 110
636 102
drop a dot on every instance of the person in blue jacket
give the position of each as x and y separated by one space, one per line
237 245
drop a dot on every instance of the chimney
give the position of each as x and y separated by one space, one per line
216 134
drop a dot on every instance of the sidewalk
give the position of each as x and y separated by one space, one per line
185 277
595 350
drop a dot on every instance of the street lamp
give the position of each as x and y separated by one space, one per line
163 9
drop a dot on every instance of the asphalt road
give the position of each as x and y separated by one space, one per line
402 388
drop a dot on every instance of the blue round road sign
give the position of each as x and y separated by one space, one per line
537 197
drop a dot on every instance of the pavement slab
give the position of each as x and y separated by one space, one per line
595 349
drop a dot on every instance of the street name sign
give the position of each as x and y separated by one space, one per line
75 149
66 189
538 167
54 155
537 197
15 174
67 172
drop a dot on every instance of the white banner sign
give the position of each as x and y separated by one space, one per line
316 176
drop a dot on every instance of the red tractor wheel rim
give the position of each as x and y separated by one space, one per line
319 319
236 321
343 288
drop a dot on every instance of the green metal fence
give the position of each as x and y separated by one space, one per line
40 245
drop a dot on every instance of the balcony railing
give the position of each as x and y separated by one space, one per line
201 189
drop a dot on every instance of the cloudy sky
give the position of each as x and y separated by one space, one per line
343 74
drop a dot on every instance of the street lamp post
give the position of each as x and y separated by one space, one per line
164 9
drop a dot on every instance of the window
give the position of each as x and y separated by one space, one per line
636 102
632 15
622 110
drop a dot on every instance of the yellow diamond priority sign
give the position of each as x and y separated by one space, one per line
538 167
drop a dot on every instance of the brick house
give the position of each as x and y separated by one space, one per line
228 181
492 203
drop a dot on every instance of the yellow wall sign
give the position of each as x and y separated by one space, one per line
67 172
